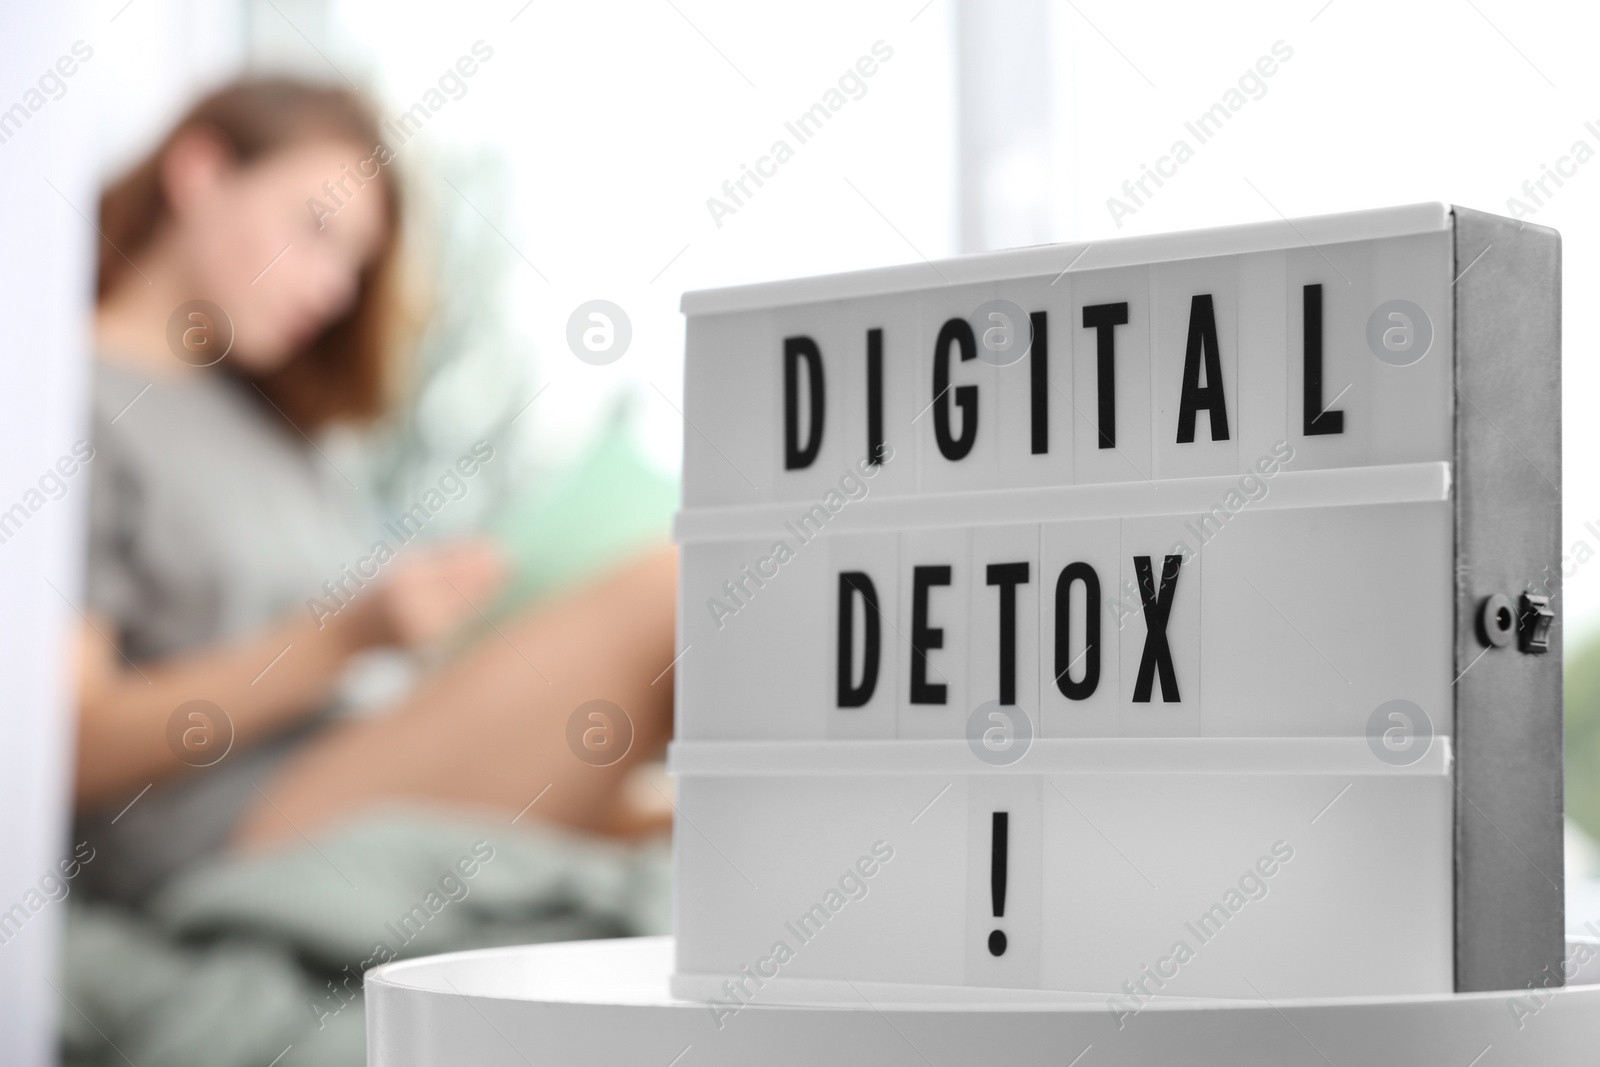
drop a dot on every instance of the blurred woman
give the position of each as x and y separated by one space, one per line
216 518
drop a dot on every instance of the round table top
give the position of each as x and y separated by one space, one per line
608 1002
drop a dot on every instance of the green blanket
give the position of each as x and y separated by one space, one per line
244 959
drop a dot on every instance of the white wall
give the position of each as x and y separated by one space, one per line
44 272
144 61
155 57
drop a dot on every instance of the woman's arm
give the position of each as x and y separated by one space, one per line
263 682
123 710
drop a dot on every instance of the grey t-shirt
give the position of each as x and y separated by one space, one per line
210 517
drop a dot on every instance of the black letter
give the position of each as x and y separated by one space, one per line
1316 421
924 637
857 696
1157 606
1008 576
1039 383
1078 572
958 331
794 350
875 396
1202 341
1104 319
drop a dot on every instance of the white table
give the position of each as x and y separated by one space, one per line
606 1003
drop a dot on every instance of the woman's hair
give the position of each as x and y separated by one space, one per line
342 374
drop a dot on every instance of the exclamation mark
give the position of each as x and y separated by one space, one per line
997 880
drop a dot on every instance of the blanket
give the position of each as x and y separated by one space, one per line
257 959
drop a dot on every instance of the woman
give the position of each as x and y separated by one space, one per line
216 520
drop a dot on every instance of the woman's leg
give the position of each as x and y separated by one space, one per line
490 730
